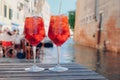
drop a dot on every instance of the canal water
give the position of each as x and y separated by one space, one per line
104 63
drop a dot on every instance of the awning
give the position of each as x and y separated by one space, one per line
1 23
15 26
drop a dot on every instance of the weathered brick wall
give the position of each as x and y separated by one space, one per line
87 26
85 30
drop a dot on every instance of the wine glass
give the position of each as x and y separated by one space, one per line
34 33
58 33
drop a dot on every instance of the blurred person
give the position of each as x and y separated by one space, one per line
18 40
6 38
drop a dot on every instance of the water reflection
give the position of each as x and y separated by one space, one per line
105 63
66 53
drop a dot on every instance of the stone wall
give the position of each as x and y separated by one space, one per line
98 24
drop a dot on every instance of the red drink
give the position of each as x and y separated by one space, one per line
59 29
59 33
34 30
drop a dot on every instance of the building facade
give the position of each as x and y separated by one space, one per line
98 24
46 13
13 12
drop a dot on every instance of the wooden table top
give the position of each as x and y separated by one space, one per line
15 71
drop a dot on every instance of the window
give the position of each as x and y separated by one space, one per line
10 13
27 0
96 9
35 2
101 21
5 11
17 15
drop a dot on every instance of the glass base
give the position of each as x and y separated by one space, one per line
34 68
58 68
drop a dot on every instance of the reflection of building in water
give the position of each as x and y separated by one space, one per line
110 66
107 64
98 24
85 56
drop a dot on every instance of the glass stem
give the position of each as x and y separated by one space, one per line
58 51
34 54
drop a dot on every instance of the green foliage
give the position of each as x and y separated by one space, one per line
72 19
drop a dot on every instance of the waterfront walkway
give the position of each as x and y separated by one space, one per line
15 71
